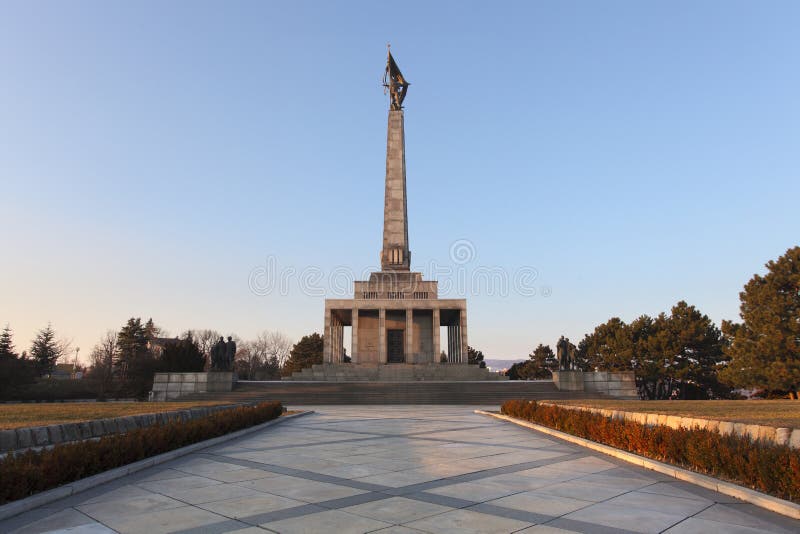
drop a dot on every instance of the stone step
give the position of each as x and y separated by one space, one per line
395 372
485 393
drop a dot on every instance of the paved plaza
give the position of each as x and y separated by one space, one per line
397 469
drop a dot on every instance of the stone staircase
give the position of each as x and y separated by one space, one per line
396 372
483 392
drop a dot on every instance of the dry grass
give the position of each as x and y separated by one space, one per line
34 414
777 413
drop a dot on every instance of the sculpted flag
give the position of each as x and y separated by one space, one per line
396 84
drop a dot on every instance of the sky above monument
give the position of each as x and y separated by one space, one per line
221 165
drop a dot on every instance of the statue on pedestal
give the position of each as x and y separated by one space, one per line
230 353
218 356
565 352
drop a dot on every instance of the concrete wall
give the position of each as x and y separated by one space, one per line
169 386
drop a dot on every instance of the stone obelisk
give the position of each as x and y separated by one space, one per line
395 255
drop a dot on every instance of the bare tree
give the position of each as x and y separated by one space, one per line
102 360
263 357
278 347
205 340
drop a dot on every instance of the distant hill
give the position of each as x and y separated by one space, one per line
496 365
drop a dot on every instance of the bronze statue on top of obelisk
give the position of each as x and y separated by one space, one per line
395 84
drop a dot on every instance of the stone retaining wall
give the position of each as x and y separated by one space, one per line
620 385
45 436
780 436
170 386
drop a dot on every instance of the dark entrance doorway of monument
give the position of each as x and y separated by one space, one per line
394 346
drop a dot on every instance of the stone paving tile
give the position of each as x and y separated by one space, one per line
396 510
137 506
467 522
661 503
695 525
541 504
301 489
744 515
206 494
327 521
65 519
241 475
478 491
581 490
184 482
163 521
243 507
627 518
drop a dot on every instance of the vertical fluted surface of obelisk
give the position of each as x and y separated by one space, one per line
395 255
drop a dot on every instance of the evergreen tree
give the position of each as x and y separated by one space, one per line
7 344
475 357
183 356
46 350
765 347
136 364
304 353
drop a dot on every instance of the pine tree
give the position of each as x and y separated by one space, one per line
765 348
46 350
304 353
7 344
475 357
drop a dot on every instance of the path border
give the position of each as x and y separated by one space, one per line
17 507
768 502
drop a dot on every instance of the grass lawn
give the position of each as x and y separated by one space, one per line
38 414
777 413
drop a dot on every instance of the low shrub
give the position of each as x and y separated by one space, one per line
34 471
761 465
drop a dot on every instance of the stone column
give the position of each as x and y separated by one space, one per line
410 336
451 352
354 341
382 335
463 332
436 337
327 357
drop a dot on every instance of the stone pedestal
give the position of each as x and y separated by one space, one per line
568 380
618 385
170 386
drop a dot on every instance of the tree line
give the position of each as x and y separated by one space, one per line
683 354
124 361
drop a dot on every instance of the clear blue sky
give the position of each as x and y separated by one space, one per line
152 154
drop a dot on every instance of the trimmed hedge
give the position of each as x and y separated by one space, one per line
764 466
34 471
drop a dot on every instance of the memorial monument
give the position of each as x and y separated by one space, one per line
396 315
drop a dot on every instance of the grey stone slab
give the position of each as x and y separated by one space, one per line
397 510
695 525
252 505
551 505
64 519
626 518
164 521
327 521
467 522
